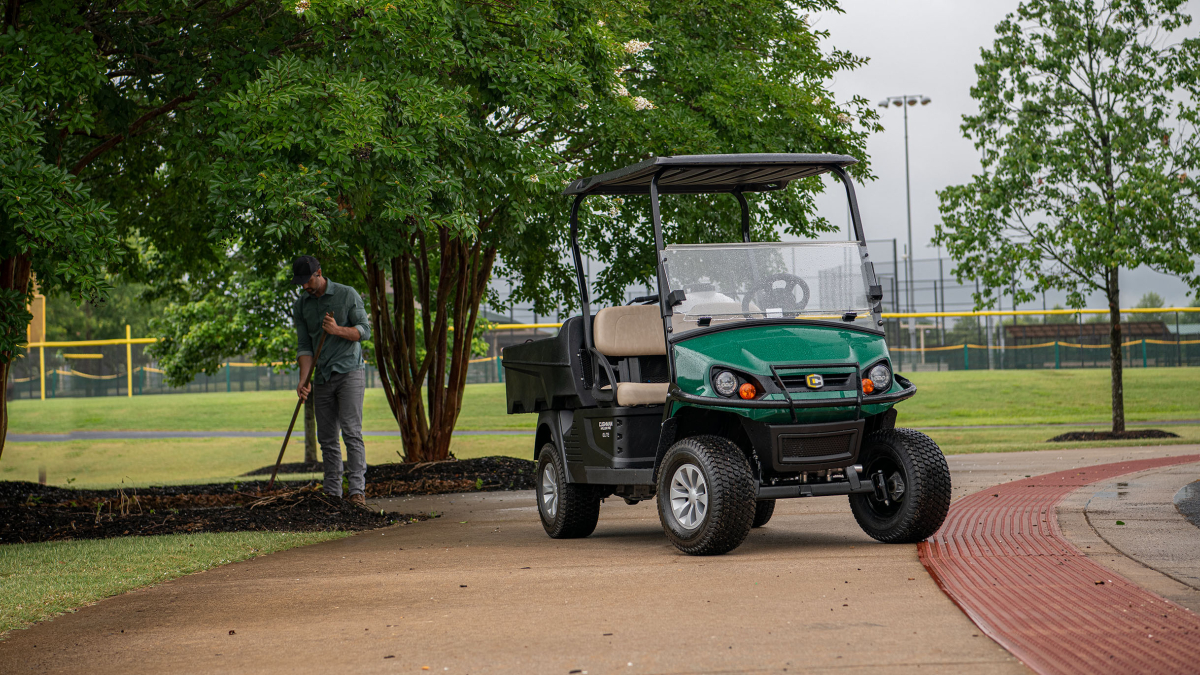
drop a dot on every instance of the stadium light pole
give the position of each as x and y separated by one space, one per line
905 102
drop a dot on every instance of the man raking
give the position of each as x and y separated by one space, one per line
339 380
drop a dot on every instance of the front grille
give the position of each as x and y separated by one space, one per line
833 382
793 448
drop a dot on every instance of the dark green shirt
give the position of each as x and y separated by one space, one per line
339 355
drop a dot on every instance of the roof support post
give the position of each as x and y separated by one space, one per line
585 306
663 299
745 215
852 201
656 219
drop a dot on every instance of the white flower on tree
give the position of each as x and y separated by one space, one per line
302 6
636 47
620 90
533 179
843 118
640 103
620 71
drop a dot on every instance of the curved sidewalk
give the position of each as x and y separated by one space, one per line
1002 557
483 590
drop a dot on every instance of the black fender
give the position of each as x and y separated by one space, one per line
552 426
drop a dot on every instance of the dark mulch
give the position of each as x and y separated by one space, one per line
1112 435
31 512
289 467
485 474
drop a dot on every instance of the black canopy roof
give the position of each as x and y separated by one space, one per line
694 174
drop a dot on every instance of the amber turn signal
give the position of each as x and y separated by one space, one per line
747 391
868 385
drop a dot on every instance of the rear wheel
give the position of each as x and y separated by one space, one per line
763 510
567 510
705 495
912 487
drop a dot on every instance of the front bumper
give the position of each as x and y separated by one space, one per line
676 394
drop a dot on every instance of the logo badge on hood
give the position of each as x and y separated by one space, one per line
814 381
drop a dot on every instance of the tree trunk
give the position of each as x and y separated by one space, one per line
310 430
444 308
1114 324
3 404
14 275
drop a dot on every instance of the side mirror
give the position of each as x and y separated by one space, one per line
676 297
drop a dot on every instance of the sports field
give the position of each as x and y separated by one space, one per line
1077 399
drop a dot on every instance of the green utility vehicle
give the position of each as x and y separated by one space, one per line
758 372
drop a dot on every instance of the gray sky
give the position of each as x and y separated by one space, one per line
929 47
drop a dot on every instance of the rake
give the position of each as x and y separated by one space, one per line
288 435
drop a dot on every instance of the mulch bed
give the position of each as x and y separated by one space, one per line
30 512
1112 435
289 467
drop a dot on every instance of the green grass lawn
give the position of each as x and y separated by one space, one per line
1048 396
105 464
38 581
483 409
1075 397
943 399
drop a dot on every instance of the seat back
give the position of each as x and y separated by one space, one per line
633 330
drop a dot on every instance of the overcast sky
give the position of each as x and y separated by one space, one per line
929 47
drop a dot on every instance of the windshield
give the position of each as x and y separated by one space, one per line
736 282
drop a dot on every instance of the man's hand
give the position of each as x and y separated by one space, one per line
302 390
330 325
345 332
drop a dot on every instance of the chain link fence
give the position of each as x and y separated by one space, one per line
81 370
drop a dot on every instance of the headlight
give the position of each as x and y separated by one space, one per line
725 383
881 377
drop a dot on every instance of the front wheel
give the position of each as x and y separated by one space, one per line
912 487
705 495
568 510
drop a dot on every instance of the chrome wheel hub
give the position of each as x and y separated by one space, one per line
549 491
689 496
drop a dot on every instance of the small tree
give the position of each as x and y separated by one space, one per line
1150 300
1086 123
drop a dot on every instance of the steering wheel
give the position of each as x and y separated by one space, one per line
781 298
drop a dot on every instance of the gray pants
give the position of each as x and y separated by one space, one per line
339 404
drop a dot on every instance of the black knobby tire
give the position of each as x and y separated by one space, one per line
729 488
925 499
763 510
578 506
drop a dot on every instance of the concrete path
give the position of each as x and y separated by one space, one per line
1132 526
483 590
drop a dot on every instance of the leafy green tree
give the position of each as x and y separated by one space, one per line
1149 300
49 227
106 320
1086 124
430 147
750 77
1191 317
102 150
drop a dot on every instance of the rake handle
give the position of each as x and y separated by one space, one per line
296 413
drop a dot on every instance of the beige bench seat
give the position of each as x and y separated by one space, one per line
640 393
632 331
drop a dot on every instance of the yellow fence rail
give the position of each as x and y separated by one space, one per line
128 341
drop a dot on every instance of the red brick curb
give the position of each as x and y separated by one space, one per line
1003 560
